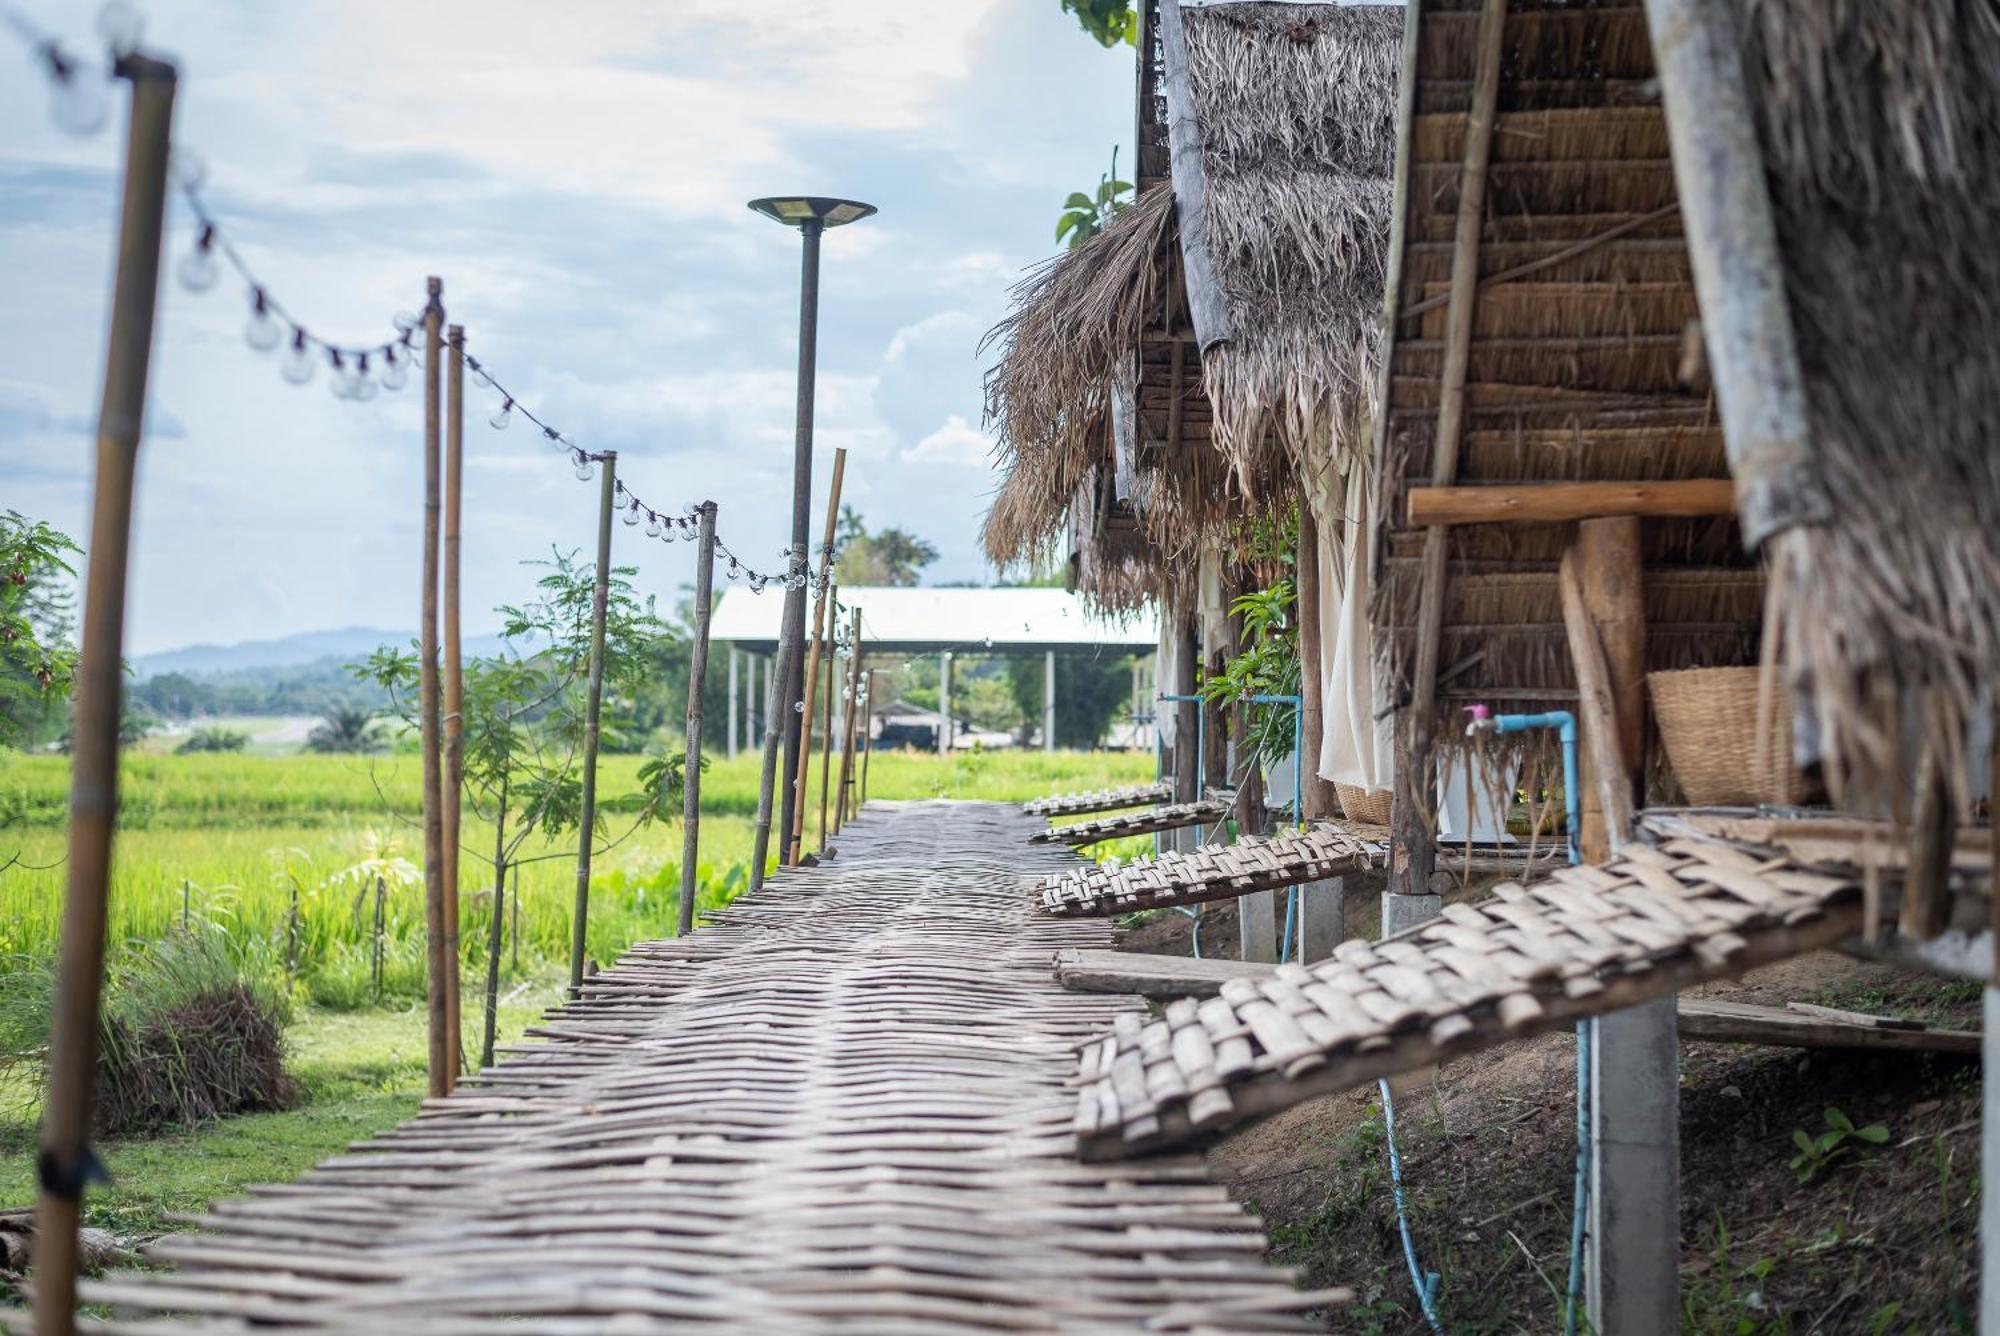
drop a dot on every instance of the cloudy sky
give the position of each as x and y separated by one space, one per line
576 173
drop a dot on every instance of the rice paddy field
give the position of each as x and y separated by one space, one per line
286 856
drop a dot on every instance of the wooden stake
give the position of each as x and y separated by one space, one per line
593 709
494 929
451 795
1417 789
852 690
67 1162
443 1044
1597 717
868 739
704 597
809 680
826 712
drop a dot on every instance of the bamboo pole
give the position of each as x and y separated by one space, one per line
868 739
1416 789
67 1162
451 796
1597 715
443 1045
852 689
1556 502
809 680
775 708
495 929
831 632
704 596
593 710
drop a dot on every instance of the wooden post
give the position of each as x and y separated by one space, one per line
735 718
443 1045
704 597
1416 783
809 681
944 703
1318 800
593 709
1048 700
853 701
868 738
67 1162
1600 719
830 632
451 796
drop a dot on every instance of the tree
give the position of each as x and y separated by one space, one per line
524 720
214 740
1109 21
37 648
893 556
345 728
1089 693
1084 216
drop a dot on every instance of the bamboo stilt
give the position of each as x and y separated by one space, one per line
826 713
808 681
67 1163
451 795
443 1046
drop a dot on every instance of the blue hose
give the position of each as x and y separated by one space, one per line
1425 1282
1586 1074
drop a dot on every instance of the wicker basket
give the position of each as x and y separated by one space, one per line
1708 723
1367 807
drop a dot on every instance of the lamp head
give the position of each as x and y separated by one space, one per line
817 211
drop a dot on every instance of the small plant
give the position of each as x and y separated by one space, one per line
1818 1153
214 740
1084 216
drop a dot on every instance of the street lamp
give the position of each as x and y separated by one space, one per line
812 215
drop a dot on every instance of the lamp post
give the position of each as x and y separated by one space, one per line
811 215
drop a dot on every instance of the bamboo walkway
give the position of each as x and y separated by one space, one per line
1214 871
1099 800
843 1106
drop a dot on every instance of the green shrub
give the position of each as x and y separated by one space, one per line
214 740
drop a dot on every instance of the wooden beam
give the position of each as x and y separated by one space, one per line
1561 502
1597 718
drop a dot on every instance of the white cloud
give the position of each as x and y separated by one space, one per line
956 442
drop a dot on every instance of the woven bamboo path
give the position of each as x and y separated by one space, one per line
1099 800
1175 816
842 1106
1213 871
1585 941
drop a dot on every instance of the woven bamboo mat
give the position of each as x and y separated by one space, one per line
1175 816
1212 872
843 1106
1099 800
1585 941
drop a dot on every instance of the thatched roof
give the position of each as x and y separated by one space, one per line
1878 126
1235 311
1295 108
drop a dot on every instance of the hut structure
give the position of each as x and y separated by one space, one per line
1680 292
1210 358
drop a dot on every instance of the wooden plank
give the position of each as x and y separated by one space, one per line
1747 1023
1088 970
1597 718
1559 502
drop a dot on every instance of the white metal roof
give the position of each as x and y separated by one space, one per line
924 620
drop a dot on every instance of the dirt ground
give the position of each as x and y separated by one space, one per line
1878 1239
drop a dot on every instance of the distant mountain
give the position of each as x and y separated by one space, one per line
294 651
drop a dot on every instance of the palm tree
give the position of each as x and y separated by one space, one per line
345 728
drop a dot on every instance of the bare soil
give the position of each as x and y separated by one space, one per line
1877 1240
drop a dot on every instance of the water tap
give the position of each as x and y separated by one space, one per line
1482 720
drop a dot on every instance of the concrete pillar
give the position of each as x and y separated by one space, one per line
1323 917
1989 1177
1632 1256
944 703
735 717
1049 701
1257 919
1407 911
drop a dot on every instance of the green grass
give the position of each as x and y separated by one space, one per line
225 836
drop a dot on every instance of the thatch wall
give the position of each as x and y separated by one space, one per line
1880 125
1575 368
1296 111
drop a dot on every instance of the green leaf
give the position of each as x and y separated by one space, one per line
1078 200
1874 1134
1802 1141
1835 1118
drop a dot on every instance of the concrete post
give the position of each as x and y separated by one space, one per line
1407 911
1323 917
735 717
1633 1249
944 703
1257 919
1989 1178
1049 701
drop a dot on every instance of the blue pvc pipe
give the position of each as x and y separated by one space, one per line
1200 736
1572 800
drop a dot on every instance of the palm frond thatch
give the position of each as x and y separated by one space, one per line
1879 130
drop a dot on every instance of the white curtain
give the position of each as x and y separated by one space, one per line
1354 746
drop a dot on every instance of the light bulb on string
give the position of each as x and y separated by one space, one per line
406 325
78 102
119 26
734 569
363 386
652 525
263 332
336 380
197 269
395 370
553 437
632 512
582 467
504 418
299 365
187 168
